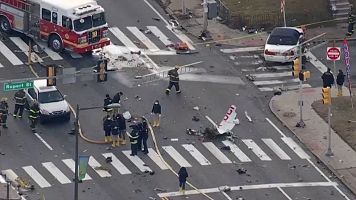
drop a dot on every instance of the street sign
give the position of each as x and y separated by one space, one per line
333 53
18 85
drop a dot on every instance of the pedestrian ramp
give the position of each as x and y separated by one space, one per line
121 163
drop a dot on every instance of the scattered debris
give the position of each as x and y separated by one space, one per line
137 190
159 190
226 148
210 133
196 108
195 118
152 173
151 198
102 168
174 139
250 77
225 188
351 121
241 171
108 159
277 93
138 98
165 137
237 94
248 117
232 57
156 18
236 121
147 31
240 198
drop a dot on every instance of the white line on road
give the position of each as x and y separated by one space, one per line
295 147
36 176
97 167
71 165
237 151
158 33
275 127
272 82
176 156
313 60
233 80
147 42
10 175
24 48
154 156
53 55
1 66
117 163
226 195
256 149
272 75
276 149
56 172
284 193
216 152
137 162
251 187
43 141
242 49
196 154
123 38
285 87
9 55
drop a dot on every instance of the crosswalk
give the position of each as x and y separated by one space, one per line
226 152
266 77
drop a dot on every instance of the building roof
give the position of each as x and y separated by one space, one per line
67 4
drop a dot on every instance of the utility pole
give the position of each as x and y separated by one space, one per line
329 151
76 132
184 10
205 16
301 123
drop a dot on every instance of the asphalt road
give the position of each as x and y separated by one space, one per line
277 168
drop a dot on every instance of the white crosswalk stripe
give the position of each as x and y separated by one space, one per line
24 48
276 149
98 168
9 55
284 87
272 75
1 66
10 174
295 147
36 176
196 154
216 152
154 156
274 82
123 38
56 172
176 156
159 34
117 164
237 151
256 149
53 55
137 162
71 164
147 42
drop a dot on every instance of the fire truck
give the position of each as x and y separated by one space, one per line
76 25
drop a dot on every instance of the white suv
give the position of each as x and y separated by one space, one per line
51 102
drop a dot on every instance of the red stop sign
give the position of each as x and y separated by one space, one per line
333 53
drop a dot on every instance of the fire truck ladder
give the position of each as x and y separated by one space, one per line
22 5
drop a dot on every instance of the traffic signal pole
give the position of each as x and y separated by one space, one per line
329 151
301 123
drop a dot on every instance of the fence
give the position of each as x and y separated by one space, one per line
223 12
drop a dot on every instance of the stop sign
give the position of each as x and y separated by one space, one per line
333 53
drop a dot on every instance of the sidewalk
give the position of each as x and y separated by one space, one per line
3 191
343 163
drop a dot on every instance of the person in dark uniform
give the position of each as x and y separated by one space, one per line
115 132
107 126
134 139
351 22
143 136
34 116
173 80
107 101
122 128
20 100
340 79
116 100
156 111
182 177
4 111
328 78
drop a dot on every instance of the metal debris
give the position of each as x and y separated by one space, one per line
196 108
159 189
195 118
226 148
241 171
248 117
250 77
156 18
108 159
174 139
225 188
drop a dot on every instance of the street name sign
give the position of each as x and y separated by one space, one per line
18 85
333 53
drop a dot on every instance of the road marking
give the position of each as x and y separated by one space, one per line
284 87
242 49
1 66
154 156
71 164
276 149
53 55
2 180
316 62
137 162
98 168
275 127
9 55
160 35
295 147
212 79
10 175
237 151
216 152
124 39
272 75
284 193
196 154
36 176
256 149
117 163
226 195
56 172
24 48
272 82
176 156
250 187
147 42
43 141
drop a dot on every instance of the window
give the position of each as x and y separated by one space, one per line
98 19
32 93
66 22
54 17
49 97
46 14
83 24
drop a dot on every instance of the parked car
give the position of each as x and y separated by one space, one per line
282 44
51 101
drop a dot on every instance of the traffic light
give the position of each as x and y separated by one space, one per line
326 95
351 23
102 68
296 67
306 75
51 72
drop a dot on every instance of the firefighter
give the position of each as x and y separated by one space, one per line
34 115
182 177
133 139
173 80
328 78
107 126
122 128
156 111
143 136
107 101
340 79
115 132
116 99
351 21
20 100
4 111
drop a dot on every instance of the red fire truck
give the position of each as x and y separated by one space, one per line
77 25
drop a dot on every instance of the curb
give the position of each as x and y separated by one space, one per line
13 195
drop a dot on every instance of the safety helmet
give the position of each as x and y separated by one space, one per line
4 99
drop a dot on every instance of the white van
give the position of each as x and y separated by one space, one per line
51 102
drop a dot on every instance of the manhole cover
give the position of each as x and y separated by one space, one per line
289 114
